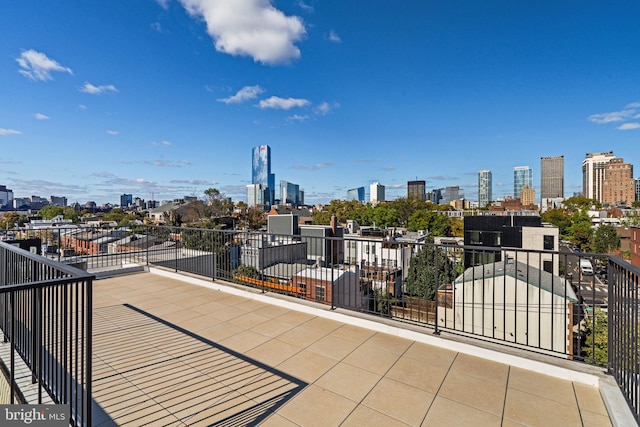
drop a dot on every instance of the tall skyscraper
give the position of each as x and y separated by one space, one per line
255 195
416 190
289 193
551 177
126 200
637 189
618 186
450 194
485 188
356 194
522 175
261 173
376 193
593 174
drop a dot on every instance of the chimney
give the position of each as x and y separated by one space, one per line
334 225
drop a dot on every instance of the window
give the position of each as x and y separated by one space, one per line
319 293
474 238
303 287
366 249
547 266
549 243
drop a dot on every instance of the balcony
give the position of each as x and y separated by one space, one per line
171 346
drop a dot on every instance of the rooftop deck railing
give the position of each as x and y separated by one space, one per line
46 322
577 306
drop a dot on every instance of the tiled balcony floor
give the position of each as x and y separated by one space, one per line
167 352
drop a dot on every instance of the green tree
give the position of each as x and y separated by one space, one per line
605 239
428 268
595 345
247 271
580 203
436 223
50 212
252 218
8 220
217 202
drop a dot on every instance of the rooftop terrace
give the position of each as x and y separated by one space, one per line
174 350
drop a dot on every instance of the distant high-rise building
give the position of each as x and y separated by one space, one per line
618 186
376 193
522 175
593 174
551 177
58 201
435 196
485 188
416 190
261 173
6 196
451 194
356 194
289 193
126 200
255 195
527 196
637 189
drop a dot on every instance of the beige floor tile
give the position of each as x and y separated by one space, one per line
484 369
418 374
177 317
542 385
430 354
592 419
244 341
333 347
248 320
219 332
388 343
228 313
400 401
316 406
295 317
364 416
471 391
307 365
349 381
372 359
533 410
276 420
271 311
210 307
589 399
273 352
323 325
200 323
272 327
445 412
353 333
301 336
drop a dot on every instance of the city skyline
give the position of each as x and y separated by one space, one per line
166 98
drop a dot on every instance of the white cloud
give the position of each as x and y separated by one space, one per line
313 167
633 105
9 132
282 103
165 143
97 90
156 26
113 132
250 28
325 108
334 37
244 94
614 116
298 118
629 126
39 116
163 4
38 66
82 107
307 8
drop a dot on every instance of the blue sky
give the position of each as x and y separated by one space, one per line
166 98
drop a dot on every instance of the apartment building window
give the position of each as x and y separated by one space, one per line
320 293
549 243
303 287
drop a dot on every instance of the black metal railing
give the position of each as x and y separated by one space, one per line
549 301
623 330
46 320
